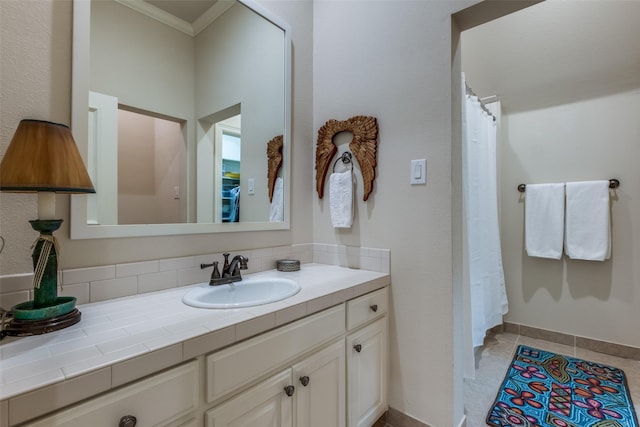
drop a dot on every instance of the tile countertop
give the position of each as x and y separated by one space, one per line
118 330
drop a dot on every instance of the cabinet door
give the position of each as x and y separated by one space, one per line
264 405
155 401
367 374
320 388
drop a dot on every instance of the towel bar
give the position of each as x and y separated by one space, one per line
613 183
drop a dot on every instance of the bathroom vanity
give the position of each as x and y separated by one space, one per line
318 358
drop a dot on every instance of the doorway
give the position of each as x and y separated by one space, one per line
564 80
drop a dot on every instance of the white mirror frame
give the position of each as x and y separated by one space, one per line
79 117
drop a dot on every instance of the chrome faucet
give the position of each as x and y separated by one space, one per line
230 271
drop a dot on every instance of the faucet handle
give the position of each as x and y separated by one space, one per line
225 267
216 272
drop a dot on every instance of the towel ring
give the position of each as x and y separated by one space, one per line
346 159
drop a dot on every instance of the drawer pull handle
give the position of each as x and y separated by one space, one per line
289 390
358 347
304 381
128 421
374 308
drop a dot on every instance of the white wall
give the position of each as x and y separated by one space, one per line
35 82
392 60
151 163
585 140
555 52
136 170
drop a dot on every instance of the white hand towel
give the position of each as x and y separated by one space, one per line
544 220
276 213
588 231
341 199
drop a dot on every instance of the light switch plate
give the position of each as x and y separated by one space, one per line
418 171
251 187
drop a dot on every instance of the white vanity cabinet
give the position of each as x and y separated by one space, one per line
160 400
310 392
367 364
311 387
326 369
315 391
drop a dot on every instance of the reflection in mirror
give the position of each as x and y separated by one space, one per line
274 181
229 137
151 165
163 96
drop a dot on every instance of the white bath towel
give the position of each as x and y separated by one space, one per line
234 212
544 220
588 231
276 211
341 199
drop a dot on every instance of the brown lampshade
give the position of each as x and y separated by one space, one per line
43 156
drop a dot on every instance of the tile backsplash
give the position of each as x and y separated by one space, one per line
105 282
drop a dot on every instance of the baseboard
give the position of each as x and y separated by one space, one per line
604 347
396 418
382 421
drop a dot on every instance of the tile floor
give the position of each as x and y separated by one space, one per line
494 358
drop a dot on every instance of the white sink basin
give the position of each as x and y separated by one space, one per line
245 293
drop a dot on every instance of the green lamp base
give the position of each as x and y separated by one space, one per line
47 312
28 310
21 328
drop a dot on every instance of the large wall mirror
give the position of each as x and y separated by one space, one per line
172 109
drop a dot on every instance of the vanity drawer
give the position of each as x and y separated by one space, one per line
157 400
367 307
239 365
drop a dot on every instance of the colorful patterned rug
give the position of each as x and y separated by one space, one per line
543 389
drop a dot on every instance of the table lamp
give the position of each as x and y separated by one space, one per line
42 157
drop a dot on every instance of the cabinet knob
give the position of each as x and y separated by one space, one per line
304 381
128 421
358 347
289 390
374 307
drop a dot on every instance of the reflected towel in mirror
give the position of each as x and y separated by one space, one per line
277 204
234 214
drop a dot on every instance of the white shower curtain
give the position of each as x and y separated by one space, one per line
486 286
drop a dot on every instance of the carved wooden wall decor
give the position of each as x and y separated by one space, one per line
274 161
364 146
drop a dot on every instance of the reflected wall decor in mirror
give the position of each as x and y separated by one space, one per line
173 110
